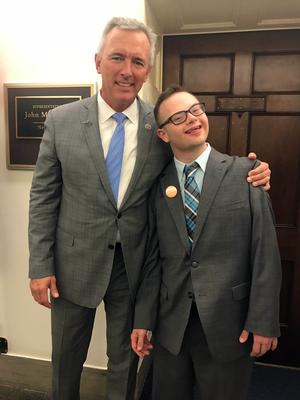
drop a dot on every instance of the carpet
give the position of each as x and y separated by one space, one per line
268 383
274 383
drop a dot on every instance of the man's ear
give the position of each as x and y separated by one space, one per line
148 73
98 63
162 134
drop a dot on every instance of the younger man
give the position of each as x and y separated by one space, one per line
219 260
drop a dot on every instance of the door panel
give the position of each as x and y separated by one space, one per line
250 83
285 76
270 135
214 74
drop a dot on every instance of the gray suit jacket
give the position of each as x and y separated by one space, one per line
234 269
73 213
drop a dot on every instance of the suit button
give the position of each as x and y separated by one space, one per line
111 246
191 295
119 216
195 264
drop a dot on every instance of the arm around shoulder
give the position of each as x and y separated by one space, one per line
263 312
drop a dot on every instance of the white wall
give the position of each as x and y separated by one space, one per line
50 42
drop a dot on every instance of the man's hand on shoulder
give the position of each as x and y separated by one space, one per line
261 175
40 288
140 343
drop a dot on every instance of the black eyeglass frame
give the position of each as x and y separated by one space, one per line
170 119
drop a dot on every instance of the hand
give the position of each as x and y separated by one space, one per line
259 176
40 290
140 343
261 344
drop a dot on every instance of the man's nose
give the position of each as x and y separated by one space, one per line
126 68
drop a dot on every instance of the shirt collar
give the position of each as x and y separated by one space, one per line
201 160
106 112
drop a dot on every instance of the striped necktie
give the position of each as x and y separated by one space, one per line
114 156
191 199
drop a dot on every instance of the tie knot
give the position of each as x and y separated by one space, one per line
119 117
190 169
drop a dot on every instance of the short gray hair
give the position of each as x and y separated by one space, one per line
129 24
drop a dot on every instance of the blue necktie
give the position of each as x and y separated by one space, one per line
115 154
191 199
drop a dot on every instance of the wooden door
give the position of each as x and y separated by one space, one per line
250 83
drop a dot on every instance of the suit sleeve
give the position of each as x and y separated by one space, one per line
44 204
263 312
147 299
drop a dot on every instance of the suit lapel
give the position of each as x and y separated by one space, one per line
214 173
175 204
90 127
146 130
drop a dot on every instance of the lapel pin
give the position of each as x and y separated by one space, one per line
148 127
171 191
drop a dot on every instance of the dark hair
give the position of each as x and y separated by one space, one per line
164 95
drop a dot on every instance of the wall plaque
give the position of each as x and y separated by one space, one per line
27 107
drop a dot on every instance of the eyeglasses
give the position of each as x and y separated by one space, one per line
180 116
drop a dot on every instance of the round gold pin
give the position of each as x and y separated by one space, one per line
171 191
